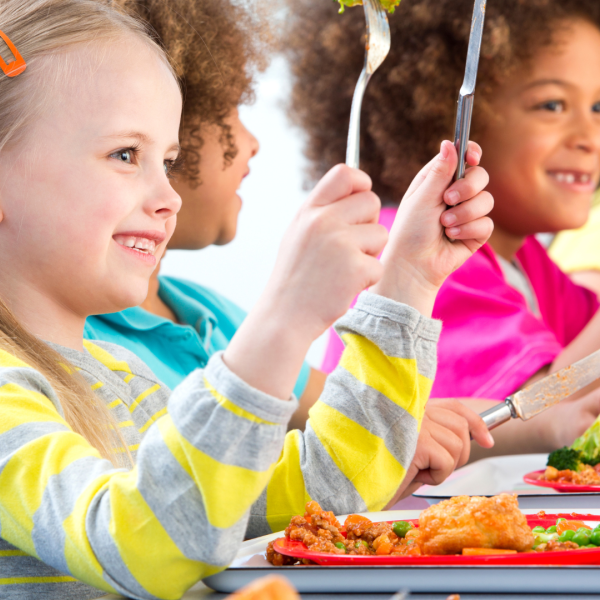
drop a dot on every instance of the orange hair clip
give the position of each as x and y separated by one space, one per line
17 66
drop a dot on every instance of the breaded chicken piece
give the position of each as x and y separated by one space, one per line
474 522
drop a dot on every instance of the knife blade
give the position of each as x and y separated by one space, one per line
466 96
546 392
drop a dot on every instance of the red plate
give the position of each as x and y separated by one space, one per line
533 478
567 557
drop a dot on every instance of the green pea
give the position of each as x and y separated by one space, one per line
595 537
597 528
560 520
551 529
538 529
592 546
341 546
361 543
566 536
581 537
401 528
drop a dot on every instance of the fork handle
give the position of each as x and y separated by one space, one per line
353 148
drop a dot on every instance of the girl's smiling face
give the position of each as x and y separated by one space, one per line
542 148
88 182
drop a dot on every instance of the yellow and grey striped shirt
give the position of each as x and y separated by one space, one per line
209 461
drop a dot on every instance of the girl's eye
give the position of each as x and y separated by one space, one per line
125 155
555 106
596 107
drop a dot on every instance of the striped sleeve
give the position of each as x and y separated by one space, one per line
153 531
362 433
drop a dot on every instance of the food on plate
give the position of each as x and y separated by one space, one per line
578 464
389 5
320 531
471 526
271 587
474 522
566 535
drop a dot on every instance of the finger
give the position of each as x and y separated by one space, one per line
459 426
340 182
477 428
438 171
474 154
420 178
446 437
473 234
371 238
475 180
440 468
362 207
471 210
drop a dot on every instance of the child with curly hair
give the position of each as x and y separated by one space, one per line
510 315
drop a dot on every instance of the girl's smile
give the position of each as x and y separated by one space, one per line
142 245
574 181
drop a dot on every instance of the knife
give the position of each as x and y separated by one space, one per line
545 393
466 97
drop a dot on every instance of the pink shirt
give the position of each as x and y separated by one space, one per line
491 342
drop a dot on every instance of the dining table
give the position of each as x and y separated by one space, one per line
486 477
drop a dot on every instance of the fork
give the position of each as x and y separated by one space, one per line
377 48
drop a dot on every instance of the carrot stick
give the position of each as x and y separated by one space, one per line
486 551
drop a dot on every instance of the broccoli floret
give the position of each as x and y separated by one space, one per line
565 458
589 444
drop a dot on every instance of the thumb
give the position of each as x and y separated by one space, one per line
436 177
338 183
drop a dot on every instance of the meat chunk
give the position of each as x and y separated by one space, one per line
474 522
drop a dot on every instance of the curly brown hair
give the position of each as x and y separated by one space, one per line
410 104
216 47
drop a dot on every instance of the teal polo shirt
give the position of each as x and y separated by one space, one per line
207 322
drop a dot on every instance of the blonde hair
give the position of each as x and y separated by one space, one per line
42 31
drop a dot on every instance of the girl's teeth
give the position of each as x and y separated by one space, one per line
129 242
571 178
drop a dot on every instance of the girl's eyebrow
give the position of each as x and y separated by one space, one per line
139 137
546 82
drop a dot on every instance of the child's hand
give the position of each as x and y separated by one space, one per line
444 443
329 252
328 255
419 257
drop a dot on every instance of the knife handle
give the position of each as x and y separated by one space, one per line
462 132
498 414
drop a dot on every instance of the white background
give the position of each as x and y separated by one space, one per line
271 195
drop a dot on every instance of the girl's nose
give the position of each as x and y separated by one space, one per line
165 201
585 135
252 142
